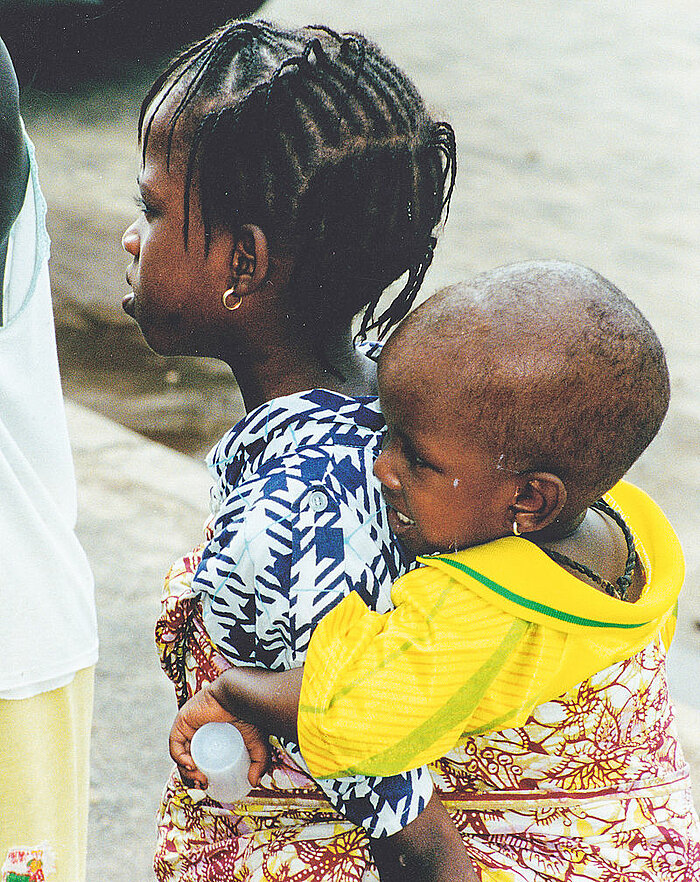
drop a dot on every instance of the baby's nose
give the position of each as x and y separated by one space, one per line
384 472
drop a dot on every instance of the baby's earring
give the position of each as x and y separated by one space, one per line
230 299
516 529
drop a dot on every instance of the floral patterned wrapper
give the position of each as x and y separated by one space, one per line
593 788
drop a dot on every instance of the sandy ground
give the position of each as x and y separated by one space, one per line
577 132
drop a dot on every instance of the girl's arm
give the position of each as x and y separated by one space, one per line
429 849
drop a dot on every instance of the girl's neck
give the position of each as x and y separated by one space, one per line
288 367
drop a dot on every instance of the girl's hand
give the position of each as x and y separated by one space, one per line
203 708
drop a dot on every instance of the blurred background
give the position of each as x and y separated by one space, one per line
577 126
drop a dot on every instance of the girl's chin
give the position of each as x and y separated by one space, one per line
129 304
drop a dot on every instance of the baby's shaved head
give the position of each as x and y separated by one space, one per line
549 362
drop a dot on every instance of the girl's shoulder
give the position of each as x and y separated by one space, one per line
293 445
290 422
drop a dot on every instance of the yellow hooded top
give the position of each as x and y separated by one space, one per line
477 640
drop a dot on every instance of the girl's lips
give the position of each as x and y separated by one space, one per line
128 301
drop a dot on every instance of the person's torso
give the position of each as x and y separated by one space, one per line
46 585
294 488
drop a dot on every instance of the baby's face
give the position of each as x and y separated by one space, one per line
439 477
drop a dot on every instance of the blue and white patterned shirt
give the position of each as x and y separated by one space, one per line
299 524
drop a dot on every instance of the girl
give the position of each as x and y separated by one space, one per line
287 178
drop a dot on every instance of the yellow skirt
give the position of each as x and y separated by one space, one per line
44 782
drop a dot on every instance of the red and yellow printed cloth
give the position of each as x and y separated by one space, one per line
590 787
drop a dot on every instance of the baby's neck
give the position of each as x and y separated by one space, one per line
597 542
559 530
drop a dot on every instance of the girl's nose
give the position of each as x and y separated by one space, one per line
384 471
130 241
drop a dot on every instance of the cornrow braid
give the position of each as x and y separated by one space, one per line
325 144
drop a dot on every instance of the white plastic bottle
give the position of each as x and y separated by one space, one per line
219 752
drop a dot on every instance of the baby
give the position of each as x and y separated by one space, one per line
513 404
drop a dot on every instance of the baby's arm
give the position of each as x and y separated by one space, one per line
459 662
227 591
254 700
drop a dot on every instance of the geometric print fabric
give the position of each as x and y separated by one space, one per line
298 522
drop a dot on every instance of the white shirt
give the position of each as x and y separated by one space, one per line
48 627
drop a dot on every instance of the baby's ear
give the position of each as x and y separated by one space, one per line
538 501
249 260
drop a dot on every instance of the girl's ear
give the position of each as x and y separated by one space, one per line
539 499
250 260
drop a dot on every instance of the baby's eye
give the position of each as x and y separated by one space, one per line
405 449
414 459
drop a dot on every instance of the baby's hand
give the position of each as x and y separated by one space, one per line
203 708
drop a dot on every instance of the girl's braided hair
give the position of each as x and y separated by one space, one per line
325 144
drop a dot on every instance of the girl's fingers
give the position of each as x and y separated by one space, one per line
179 743
193 779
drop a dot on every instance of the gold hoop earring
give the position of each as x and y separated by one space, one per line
516 529
231 304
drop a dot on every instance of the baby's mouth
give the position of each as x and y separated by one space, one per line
396 518
402 519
